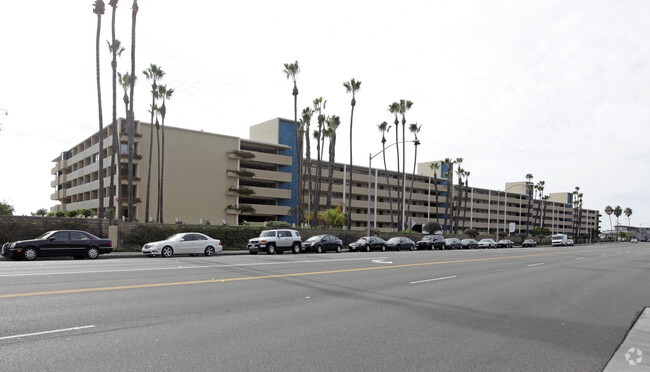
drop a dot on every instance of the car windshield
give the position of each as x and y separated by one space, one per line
364 239
44 236
393 240
428 237
175 237
485 240
315 238
266 234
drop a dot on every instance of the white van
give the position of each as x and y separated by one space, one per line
559 240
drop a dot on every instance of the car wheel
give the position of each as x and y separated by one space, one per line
339 249
412 248
319 249
30 254
399 248
270 249
167 252
296 248
383 248
368 248
92 253
78 257
209 251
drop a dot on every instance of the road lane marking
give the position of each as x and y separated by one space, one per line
381 261
579 258
226 280
432 280
47 332
537 264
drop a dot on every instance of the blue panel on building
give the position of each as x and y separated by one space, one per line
287 134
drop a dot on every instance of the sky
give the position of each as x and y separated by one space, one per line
557 89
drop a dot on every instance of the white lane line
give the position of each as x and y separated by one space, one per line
381 261
604 254
579 258
432 280
47 332
537 264
184 267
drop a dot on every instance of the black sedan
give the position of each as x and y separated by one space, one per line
529 243
469 244
505 243
453 243
399 243
368 243
431 242
75 243
323 243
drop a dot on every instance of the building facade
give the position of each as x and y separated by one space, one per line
229 180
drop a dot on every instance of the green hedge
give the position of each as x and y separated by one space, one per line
232 237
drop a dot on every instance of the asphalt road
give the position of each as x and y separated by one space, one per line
539 309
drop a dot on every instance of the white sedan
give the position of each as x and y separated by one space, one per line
184 243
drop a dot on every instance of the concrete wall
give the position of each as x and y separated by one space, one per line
14 228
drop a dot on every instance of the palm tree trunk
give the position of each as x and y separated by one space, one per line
349 219
460 194
115 147
130 116
162 168
465 205
158 169
314 221
408 210
331 171
153 103
298 156
435 187
308 164
100 194
399 189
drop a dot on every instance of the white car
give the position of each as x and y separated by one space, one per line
184 243
487 243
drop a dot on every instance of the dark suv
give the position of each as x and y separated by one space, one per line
431 242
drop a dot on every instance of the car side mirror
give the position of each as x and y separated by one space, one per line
51 238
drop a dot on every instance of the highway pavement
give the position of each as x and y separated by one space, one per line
532 309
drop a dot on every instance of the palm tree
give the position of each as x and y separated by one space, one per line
435 166
466 174
130 118
540 188
155 74
305 121
319 106
353 87
608 211
393 108
544 200
165 94
579 214
384 127
404 106
98 9
125 82
617 212
449 175
529 192
415 129
116 50
460 172
292 70
333 123
628 213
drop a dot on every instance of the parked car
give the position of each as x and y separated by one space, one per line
558 240
272 241
469 244
183 243
505 243
453 243
399 243
487 243
529 243
634 240
75 243
368 243
323 243
431 242
570 242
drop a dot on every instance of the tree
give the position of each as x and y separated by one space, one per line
576 204
130 118
333 123
460 172
394 108
608 211
415 129
435 166
473 233
305 121
617 212
319 106
449 175
153 73
404 105
353 87
466 173
384 127
41 212
98 9
116 50
540 189
334 216
6 209
164 94
431 227
292 70
529 194
628 213
125 82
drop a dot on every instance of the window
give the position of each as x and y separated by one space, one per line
78 235
61 235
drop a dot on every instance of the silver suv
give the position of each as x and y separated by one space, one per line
271 241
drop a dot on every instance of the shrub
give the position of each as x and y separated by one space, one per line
471 232
431 227
72 214
277 224
59 214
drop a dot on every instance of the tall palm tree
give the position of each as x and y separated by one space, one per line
130 117
466 174
460 172
384 127
449 175
125 82
165 95
628 213
529 192
415 129
579 214
540 189
544 200
393 108
292 70
608 211
116 50
353 87
435 166
333 123
617 213
305 122
319 106
404 105
98 8
155 74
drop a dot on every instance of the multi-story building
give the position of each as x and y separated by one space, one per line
225 179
